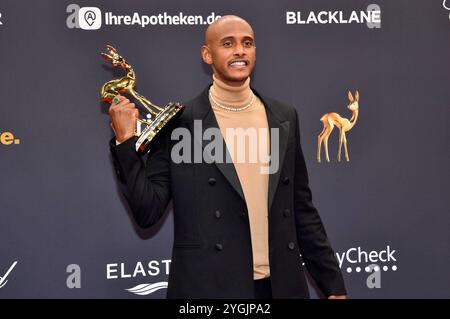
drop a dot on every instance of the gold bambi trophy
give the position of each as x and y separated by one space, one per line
157 117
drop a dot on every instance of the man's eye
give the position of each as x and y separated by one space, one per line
227 44
248 43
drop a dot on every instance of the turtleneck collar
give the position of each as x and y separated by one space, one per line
232 96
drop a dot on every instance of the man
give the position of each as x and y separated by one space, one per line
239 232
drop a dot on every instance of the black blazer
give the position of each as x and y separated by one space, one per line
212 252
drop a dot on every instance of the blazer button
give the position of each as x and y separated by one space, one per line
219 247
212 181
243 214
218 214
291 245
286 180
287 213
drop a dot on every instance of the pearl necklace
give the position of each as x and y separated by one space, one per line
233 109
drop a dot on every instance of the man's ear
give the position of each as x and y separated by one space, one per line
206 55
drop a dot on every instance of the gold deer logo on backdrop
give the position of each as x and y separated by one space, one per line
329 120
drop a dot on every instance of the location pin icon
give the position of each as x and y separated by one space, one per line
89 17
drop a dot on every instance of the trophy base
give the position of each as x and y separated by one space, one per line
171 111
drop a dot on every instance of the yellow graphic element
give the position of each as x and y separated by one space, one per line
329 120
7 138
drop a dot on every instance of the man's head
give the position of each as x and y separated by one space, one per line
230 49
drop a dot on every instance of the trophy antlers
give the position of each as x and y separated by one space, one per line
112 51
113 57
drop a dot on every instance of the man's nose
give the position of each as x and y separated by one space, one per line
239 50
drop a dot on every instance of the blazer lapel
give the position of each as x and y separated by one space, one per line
204 112
283 131
275 122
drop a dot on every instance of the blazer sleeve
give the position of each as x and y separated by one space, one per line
146 186
320 259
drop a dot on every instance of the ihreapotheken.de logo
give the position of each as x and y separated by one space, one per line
92 18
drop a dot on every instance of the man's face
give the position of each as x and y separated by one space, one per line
230 50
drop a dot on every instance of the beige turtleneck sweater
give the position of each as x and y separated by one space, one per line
254 183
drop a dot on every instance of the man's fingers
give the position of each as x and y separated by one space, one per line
129 106
119 98
122 103
124 106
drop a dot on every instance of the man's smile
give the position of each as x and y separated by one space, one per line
238 63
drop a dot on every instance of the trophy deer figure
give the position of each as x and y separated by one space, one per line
157 117
329 120
124 84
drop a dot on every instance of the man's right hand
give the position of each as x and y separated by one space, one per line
123 118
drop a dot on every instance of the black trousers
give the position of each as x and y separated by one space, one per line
263 289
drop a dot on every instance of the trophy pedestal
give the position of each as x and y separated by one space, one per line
171 111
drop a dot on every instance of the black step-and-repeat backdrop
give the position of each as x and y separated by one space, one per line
65 230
